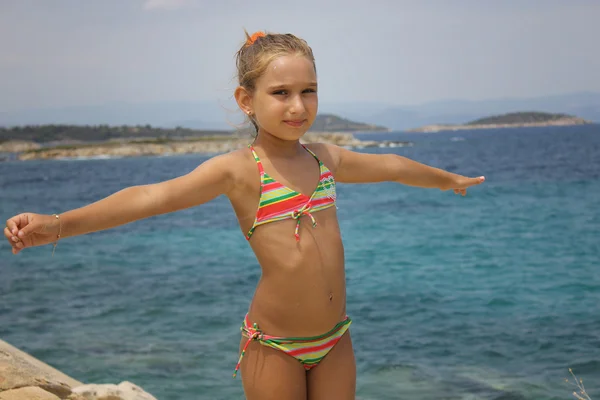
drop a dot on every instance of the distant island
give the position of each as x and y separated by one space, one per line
333 123
103 141
510 120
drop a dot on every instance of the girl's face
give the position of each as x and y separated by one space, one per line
285 98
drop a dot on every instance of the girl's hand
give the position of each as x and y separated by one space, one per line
462 183
29 230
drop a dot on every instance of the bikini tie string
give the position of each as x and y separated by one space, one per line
253 334
299 213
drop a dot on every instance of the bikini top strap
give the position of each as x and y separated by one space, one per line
313 154
258 162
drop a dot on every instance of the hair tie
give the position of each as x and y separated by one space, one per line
254 37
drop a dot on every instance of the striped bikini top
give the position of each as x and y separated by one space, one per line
278 202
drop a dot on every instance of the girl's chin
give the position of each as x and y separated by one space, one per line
286 132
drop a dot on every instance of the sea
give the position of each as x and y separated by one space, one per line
495 295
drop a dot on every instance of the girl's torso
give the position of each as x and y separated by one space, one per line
302 288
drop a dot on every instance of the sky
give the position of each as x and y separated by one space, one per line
89 52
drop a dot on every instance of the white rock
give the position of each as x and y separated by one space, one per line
123 391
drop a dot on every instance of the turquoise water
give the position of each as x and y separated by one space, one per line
490 296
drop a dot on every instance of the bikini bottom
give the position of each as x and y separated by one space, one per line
309 351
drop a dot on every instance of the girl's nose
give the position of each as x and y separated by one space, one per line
297 105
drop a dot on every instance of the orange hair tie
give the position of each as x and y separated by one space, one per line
254 37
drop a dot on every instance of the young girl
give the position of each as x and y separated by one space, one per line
295 341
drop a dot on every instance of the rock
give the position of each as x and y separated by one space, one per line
23 377
28 393
20 370
17 146
123 391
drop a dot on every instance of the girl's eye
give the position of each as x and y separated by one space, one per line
284 92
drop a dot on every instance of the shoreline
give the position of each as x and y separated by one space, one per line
445 127
24 150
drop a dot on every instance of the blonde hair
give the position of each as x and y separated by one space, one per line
253 58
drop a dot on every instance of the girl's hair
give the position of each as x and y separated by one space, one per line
260 49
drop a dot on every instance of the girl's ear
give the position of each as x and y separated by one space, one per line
244 100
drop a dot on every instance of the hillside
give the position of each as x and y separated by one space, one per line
521 118
98 133
101 133
510 120
333 123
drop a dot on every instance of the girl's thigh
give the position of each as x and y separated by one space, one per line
268 374
335 376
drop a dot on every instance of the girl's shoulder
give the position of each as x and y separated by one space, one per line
233 160
241 164
326 152
241 155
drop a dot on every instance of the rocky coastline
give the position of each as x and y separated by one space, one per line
23 150
23 377
443 127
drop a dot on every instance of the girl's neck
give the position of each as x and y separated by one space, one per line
276 147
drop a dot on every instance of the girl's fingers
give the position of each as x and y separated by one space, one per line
11 225
15 222
479 180
16 244
12 239
468 182
31 227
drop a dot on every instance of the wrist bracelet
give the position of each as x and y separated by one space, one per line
59 232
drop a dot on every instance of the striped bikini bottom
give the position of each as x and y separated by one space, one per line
308 350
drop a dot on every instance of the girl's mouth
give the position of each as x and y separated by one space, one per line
295 124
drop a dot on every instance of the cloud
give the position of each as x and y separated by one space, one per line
165 4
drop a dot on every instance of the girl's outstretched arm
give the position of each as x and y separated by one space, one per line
209 180
354 167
